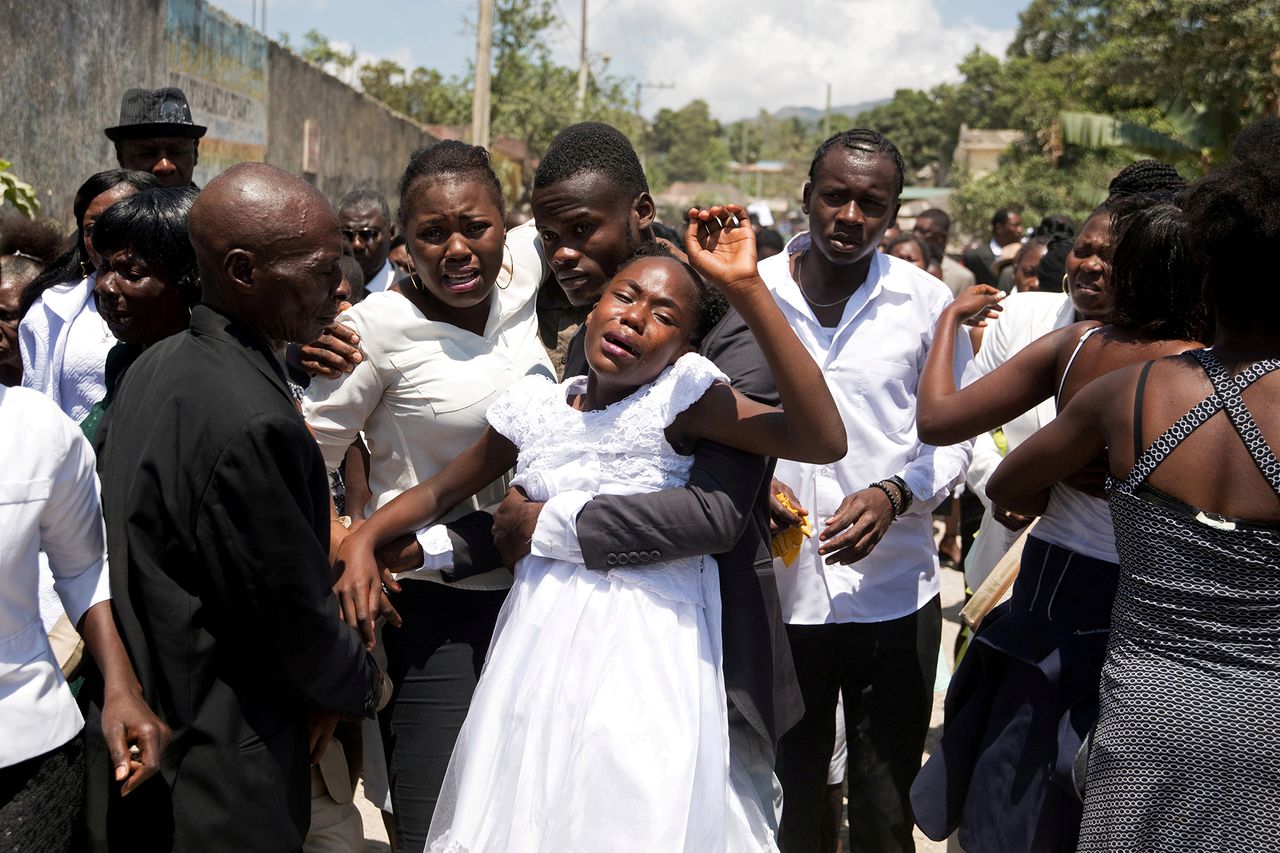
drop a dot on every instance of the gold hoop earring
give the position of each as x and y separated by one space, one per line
1065 276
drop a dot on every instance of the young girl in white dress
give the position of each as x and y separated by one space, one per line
599 722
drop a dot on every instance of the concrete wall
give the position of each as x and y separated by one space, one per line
66 64
361 143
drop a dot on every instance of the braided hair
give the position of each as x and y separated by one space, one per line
862 139
1146 178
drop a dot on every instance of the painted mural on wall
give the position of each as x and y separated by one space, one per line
222 66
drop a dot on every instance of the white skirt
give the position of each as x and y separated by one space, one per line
599 723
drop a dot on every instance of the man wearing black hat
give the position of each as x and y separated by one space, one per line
156 134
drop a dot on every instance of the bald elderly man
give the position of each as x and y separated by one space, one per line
217 514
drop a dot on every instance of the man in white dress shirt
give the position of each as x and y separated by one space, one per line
861 600
365 221
49 502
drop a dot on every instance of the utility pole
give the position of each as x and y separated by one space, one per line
826 115
480 99
640 86
581 105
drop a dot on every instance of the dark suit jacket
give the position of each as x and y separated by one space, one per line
216 507
722 511
980 260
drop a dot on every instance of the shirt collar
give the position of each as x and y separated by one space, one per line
67 302
786 288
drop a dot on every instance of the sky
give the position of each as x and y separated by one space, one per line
738 55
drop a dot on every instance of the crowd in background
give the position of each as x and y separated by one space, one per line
592 532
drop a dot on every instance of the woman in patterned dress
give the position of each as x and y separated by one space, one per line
1186 753
1026 692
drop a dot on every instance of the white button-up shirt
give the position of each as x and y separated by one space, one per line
384 279
49 499
421 393
64 344
1023 318
872 361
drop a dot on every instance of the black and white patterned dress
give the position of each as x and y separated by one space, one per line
1186 754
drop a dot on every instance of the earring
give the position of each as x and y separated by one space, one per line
1064 281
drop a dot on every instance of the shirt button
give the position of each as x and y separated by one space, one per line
633 557
825 471
655 555
611 560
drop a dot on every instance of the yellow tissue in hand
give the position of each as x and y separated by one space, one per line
786 544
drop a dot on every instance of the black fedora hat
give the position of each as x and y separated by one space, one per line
154 112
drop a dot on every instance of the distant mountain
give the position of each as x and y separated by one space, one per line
814 114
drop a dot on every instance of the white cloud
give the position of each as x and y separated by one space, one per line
745 55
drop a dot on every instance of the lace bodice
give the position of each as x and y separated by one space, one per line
619 450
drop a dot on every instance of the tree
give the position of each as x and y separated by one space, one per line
913 122
424 95
688 144
318 51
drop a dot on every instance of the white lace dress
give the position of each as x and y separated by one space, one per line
599 722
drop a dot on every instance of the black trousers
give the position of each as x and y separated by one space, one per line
434 661
886 670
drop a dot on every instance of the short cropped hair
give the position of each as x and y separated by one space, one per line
592 147
364 197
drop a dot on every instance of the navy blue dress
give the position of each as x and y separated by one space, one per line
1019 706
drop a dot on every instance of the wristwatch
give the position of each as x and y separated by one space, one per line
907 497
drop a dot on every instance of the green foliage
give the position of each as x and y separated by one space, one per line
911 120
423 95
531 97
687 145
318 51
1029 181
16 192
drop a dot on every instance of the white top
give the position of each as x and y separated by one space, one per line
384 278
873 366
64 345
1072 520
1024 318
421 393
49 499
619 450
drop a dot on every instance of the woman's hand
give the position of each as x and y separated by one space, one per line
127 722
975 305
359 589
722 246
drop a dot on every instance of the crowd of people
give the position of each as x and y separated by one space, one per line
598 533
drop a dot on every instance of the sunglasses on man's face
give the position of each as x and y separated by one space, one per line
368 235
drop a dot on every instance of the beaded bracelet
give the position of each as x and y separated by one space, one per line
895 499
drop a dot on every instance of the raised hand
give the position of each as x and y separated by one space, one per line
722 246
975 305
